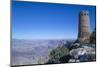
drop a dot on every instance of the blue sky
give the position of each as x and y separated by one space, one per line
31 20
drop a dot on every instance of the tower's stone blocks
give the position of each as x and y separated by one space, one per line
84 27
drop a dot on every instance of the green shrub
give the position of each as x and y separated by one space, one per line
56 54
93 37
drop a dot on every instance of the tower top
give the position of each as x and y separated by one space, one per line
84 12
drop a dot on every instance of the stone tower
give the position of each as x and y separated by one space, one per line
84 27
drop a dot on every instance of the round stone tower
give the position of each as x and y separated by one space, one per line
84 27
